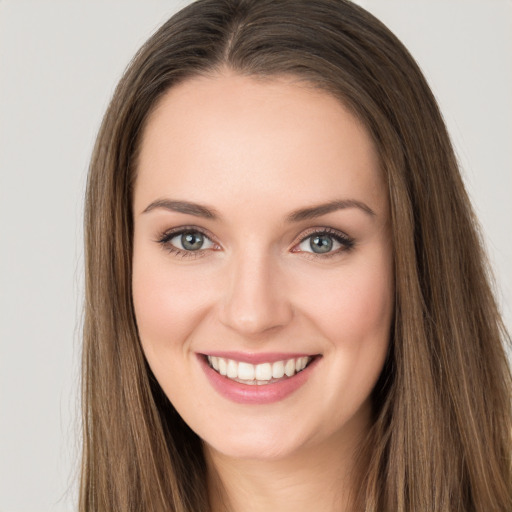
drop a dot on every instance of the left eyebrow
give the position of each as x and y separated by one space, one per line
325 208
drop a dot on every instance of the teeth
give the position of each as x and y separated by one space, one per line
232 371
300 363
246 371
260 373
263 371
278 369
289 367
223 367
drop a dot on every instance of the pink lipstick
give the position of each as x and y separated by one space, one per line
257 378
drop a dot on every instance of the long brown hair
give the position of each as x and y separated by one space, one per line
441 437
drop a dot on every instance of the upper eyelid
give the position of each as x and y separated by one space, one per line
171 233
167 235
321 230
347 244
165 238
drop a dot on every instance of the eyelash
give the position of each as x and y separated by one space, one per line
347 243
165 239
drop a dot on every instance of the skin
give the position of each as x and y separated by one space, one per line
253 151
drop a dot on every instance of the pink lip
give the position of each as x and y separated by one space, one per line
254 394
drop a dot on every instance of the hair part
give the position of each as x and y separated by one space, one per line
441 439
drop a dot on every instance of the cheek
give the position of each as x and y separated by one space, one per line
354 314
168 304
354 304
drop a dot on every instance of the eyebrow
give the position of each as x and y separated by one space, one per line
186 207
302 214
323 209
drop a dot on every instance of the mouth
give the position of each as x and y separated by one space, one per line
261 374
257 378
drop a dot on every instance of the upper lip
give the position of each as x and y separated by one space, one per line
257 358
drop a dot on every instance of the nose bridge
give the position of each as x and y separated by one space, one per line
255 300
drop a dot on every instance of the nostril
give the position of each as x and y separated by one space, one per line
255 300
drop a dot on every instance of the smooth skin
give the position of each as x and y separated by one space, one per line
252 152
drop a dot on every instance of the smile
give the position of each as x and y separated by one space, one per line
258 374
257 378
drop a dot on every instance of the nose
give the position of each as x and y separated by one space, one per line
255 299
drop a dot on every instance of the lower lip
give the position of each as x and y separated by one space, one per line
256 394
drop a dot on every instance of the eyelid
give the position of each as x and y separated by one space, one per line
176 241
164 240
346 241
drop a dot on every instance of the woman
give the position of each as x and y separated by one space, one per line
287 301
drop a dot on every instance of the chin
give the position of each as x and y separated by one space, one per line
264 442
255 449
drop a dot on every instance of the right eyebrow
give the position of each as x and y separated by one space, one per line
186 207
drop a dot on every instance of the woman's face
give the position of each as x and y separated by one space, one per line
261 245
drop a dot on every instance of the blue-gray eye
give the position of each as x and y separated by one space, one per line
320 243
191 241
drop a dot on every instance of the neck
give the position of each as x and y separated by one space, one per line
320 477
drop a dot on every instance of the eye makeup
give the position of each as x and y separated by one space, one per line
323 238
188 236
194 242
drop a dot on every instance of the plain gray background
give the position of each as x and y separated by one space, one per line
59 63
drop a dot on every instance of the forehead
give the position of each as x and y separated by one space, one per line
230 139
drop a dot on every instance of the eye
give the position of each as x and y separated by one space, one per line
325 243
191 241
186 242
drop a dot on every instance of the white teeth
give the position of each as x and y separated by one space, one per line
300 363
223 367
258 374
289 367
232 370
278 370
263 371
246 371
